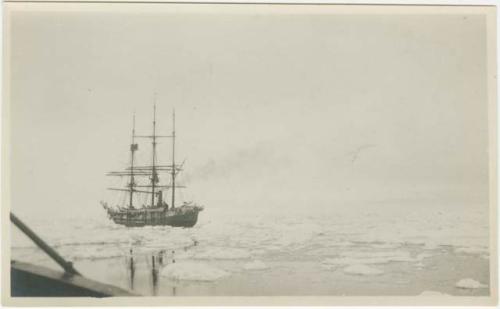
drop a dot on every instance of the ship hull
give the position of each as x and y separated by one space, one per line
179 217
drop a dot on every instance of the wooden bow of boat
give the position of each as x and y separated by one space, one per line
31 280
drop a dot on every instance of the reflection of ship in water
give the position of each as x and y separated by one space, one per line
158 212
154 274
147 267
130 261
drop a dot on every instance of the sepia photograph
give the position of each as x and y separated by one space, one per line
182 153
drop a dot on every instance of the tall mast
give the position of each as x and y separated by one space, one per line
173 159
133 148
154 177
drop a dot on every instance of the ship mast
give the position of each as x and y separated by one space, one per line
133 148
173 159
154 177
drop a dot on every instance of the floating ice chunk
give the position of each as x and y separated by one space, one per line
402 258
90 252
183 255
343 244
330 264
469 284
422 256
360 269
433 293
223 254
351 258
386 245
329 267
255 265
431 245
193 272
472 250
354 261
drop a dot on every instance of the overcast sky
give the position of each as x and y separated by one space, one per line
296 109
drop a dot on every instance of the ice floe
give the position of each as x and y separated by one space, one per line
385 245
360 269
220 253
433 294
255 265
193 272
469 284
363 257
330 267
422 256
472 250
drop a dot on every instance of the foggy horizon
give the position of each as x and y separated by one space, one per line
375 108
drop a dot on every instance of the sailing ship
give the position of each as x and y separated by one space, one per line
158 212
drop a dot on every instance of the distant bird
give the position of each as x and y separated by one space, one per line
355 153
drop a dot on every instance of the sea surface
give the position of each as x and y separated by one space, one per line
381 249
